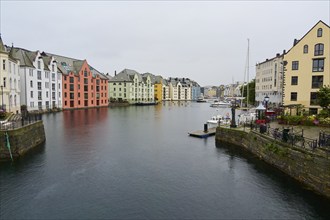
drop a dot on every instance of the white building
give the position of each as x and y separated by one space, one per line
9 80
177 89
269 80
41 82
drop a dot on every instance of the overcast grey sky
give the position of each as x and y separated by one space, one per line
203 41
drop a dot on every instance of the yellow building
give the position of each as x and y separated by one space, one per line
307 69
157 81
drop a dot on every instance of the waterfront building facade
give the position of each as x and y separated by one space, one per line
157 82
179 89
131 86
307 68
9 80
40 80
83 86
269 80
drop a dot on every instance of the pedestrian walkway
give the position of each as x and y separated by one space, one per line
311 132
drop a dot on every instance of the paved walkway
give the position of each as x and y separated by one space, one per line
309 131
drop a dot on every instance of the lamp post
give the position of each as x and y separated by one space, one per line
233 121
266 99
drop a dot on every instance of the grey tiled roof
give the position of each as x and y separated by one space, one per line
126 75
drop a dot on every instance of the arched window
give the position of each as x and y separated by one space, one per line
306 48
319 32
318 50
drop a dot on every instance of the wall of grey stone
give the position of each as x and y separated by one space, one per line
311 168
22 140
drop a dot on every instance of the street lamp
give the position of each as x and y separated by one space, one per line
266 99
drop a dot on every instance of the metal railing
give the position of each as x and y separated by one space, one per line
293 137
30 119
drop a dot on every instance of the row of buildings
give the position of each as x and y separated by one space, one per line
43 81
131 86
293 78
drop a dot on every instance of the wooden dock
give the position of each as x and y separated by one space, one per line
202 134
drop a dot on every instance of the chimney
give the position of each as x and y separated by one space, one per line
284 51
278 54
115 72
295 41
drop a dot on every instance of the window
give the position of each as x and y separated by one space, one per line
46 94
31 94
71 95
314 100
294 96
53 76
71 87
53 68
64 86
46 74
4 64
295 65
318 49
31 84
30 72
317 82
39 95
71 80
319 32
39 65
32 104
39 85
312 111
306 48
39 74
318 65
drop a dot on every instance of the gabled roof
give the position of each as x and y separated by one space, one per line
320 21
24 56
2 46
123 76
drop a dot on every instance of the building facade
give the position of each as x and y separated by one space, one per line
307 68
9 80
83 86
131 86
40 80
269 80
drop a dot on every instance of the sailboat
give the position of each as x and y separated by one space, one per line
246 75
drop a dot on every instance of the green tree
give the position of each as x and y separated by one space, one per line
323 96
252 92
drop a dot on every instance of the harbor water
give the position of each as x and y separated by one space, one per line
138 162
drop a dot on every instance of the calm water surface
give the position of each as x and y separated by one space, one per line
138 162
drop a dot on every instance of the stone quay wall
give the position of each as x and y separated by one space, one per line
21 140
312 168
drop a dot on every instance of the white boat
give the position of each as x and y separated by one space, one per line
201 99
218 118
220 104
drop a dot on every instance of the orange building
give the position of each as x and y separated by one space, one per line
82 85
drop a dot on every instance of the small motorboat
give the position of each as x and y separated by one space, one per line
220 104
218 118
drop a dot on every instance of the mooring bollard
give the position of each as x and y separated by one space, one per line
205 128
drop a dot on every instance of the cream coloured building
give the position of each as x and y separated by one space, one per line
9 80
307 68
269 80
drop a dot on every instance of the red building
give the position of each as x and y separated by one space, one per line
82 85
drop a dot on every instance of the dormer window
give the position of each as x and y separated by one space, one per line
319 32
306 48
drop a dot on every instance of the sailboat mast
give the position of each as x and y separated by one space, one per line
248 65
